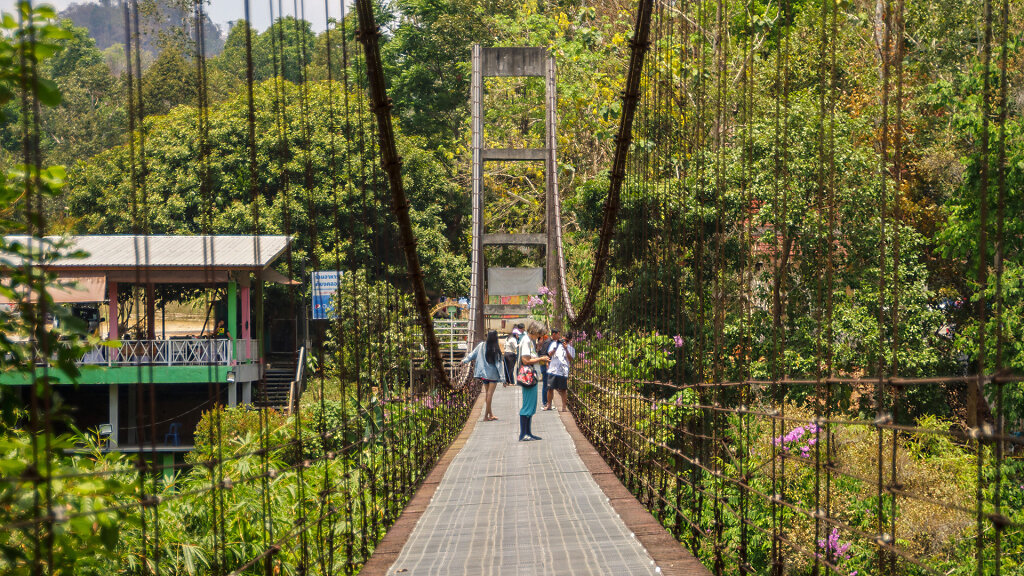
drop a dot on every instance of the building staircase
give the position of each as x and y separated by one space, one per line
277 390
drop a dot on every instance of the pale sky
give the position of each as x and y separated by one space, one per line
224 11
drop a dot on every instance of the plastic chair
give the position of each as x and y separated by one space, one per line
173 436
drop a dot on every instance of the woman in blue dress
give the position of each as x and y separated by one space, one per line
489 368
528 357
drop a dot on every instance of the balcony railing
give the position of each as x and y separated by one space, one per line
183 352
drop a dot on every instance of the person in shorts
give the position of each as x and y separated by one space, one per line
562 354
489 368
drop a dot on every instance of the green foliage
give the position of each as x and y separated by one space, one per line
371 334
427 61
169 82
88 526
678 455
322 181
642 357
284 49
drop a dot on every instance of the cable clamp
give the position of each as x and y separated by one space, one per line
999 521
58 516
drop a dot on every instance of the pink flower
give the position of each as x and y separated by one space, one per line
678 340
533 302
543 291
598 335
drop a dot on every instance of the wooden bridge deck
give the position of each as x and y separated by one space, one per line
525 508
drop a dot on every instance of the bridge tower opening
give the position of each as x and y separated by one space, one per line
512 62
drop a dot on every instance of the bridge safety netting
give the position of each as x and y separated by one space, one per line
303 481
763 357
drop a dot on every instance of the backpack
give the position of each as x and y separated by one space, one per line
553 347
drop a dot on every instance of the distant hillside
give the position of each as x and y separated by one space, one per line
161 23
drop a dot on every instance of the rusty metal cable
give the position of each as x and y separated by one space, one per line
369 35
639 45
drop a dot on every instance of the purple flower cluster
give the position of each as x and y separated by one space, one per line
678 340
801 438
533 302
544 291
835 549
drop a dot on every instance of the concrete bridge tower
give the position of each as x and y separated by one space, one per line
512 62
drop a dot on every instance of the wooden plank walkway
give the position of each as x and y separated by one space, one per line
520 508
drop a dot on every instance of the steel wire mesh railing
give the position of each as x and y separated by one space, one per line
258 491
768 369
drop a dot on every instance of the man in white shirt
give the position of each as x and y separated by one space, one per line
561 353
511 350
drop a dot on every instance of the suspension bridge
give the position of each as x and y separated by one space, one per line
724 414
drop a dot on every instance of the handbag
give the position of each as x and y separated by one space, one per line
526 377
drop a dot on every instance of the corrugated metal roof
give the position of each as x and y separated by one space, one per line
204 252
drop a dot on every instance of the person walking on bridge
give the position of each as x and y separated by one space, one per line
511 353
528 374
489 368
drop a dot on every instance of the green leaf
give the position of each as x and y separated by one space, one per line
108 535
57 33
47 92
44 51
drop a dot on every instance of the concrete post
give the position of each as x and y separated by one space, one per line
150 311
232 324
112 407
246 330
112 321
553 279
232 394
513 62
477 295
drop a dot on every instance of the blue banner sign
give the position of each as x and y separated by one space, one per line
324 285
